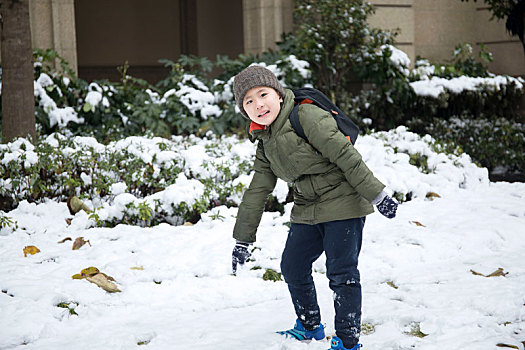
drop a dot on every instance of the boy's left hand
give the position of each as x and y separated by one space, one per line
388 207
240 254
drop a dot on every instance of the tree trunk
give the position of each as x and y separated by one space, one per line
18 101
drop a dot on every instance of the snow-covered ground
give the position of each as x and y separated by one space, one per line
177 290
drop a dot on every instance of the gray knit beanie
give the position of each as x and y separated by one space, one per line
251 77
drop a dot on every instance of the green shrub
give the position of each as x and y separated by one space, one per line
187 101
59 167
495 142
337 41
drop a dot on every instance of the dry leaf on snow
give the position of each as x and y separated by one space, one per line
432 195
103 281
498 272
417 223
79 242
93 275
30 249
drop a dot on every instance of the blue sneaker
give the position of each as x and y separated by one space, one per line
298 332
337 344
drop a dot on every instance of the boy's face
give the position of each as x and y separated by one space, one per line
262 104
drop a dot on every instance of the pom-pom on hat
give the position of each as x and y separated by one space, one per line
251 77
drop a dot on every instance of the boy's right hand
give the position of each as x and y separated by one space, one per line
240 254
388 207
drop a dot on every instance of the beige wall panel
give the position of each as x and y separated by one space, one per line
490 30
439 29
446 5
392 2
410 50
400 18
507 50
391 18
509 58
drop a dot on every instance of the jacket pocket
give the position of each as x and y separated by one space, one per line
304 189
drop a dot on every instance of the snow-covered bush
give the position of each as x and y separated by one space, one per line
186 102
496 143
149 180
148 169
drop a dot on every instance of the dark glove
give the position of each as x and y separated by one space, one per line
388 207
240 254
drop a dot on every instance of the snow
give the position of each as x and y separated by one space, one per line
57 115
197 99
399 58
178 291
436 86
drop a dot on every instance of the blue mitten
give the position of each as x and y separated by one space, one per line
240 254
388 207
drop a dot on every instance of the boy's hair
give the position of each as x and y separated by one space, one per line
251 77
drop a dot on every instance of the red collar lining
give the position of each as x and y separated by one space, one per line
254 126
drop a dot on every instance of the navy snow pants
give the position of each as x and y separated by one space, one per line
341 242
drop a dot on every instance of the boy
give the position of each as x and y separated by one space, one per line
333 192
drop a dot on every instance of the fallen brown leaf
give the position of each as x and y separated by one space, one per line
65 239
432 195
140 268
502 345
79 242
417 223
93 275
498 272
30 249
103 282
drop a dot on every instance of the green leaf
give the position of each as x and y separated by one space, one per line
88 107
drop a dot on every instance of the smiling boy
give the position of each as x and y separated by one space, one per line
333 192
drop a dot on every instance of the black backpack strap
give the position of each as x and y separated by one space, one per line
296 125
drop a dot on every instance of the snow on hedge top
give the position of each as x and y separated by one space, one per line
435 86
198 99
405 162
399 58
388 154
57 115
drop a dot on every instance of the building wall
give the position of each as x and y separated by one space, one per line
509 57
431 29
397 15
102 33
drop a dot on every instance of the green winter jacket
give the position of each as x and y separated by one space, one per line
330 180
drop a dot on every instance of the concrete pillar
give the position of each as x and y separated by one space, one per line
264 22
53 27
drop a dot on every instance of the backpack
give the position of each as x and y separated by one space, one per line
316 97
